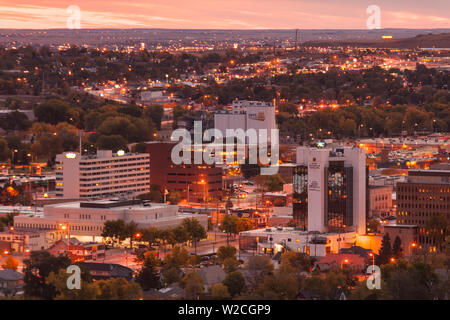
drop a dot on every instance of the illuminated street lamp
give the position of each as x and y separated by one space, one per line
345 261
412 245
392 260
203 182
373 261
65 227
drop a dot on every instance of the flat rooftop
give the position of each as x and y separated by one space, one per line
291 230
110 204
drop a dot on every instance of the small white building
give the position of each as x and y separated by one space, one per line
275 239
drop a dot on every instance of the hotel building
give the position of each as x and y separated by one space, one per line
330 189
102 175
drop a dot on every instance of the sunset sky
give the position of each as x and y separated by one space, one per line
224 14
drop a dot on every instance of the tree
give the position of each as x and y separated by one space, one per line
235 282
155 113
372 225
229 225
274 183
4 150
177 258
130 230
219 291
194 260
37 269
225 252
397 249
52 111
258 267
8 219
118 289
249 170
230 264
171 275
282 284
244 224
194 230
180 234
114 229
11 263
111 142
88 290
192 283
385 253
174 197
404 281
148 276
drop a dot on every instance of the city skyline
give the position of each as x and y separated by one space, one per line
199 14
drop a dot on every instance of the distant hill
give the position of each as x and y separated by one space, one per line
441 40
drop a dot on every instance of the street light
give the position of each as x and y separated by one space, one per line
65 227
412 245
203 182
393 260
373 261
346 261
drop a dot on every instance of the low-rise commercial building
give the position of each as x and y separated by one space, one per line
86 219
275 239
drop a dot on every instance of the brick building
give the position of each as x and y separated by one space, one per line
194 182
425 195
380 201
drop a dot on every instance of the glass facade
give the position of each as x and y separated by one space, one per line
339 200
300 197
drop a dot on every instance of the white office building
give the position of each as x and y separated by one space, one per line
330 189
245 115
102 175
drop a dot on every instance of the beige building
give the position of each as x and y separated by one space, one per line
86 219
380 201
102 175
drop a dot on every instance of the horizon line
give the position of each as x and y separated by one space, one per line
229 29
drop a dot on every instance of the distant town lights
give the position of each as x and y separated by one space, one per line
70 155
120 153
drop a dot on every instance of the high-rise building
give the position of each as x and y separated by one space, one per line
425 194
330 189
246 115
102 175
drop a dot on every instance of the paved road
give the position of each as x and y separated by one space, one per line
124 257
